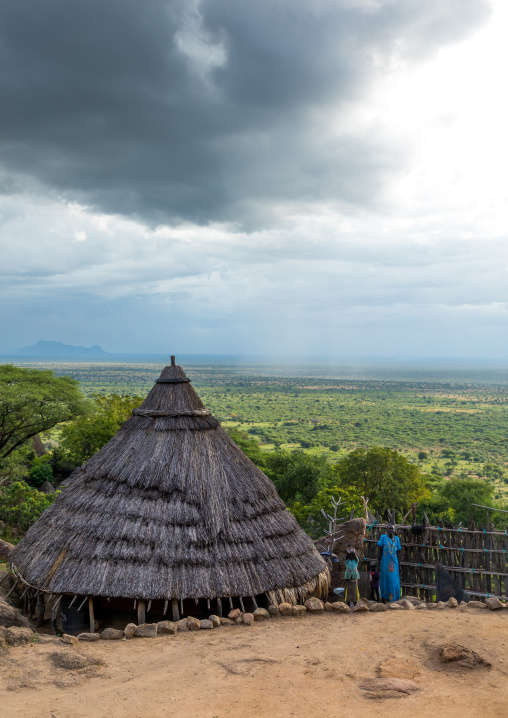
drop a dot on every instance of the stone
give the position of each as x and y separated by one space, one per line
166 628
340 607
431 605
130 630
365 602
328 607
215 620
239 620
260 614
395 606
10 616
360 608
493 603
205 625
181 625
112 634
419 606
193 624
455 652
285 609
314 605
476 604
406 605
5 548
414 600
273 610
89 637
352 533
398 668
146 630
452 602
441 605
378 608
234 614
70 640
17 635
226 622
388 685
43 638
299 611
248 619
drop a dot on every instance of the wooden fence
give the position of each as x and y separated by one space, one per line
476 559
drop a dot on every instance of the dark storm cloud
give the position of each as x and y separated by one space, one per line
224 112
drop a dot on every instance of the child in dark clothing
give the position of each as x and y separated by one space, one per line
374 583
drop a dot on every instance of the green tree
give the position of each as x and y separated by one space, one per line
248 444
32 401
40 472
383 476
453 501
298 476
83 437
20 507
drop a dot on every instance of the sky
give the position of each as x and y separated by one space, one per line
284 177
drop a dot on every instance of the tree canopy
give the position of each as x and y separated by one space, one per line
83 437
384 477
298 476
32 401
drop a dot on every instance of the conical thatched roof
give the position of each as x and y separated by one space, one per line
170 508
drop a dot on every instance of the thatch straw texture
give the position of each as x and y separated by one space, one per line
170 508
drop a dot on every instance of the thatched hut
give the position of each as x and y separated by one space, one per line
168 511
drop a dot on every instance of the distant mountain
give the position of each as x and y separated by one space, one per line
58 350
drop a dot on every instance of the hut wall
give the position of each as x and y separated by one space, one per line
475 558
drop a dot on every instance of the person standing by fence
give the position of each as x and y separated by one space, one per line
388 561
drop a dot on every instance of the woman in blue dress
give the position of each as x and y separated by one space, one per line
389 547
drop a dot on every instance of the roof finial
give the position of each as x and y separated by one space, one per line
172 361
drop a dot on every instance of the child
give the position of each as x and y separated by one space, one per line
374 583
351 577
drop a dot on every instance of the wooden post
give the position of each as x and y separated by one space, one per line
91 615
174 607
141 611
41 608
219 607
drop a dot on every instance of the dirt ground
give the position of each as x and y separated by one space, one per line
303 668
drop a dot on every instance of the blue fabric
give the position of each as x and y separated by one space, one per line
390 578
351 573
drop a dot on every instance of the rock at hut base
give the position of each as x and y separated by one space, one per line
414 600
431 605
181 625
234 614
205 625
239 621
420 606
328 606
476 604
360 608
493 603
365 602
406 605
386 687
248 619
314 605
89 637
273 610
395 607
261 614
441 605
166 628
112 634
17 636
193 624
452 602
130 630
146 630
215 620
285 609
226 622
70 640
340 607
299 611
378 608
